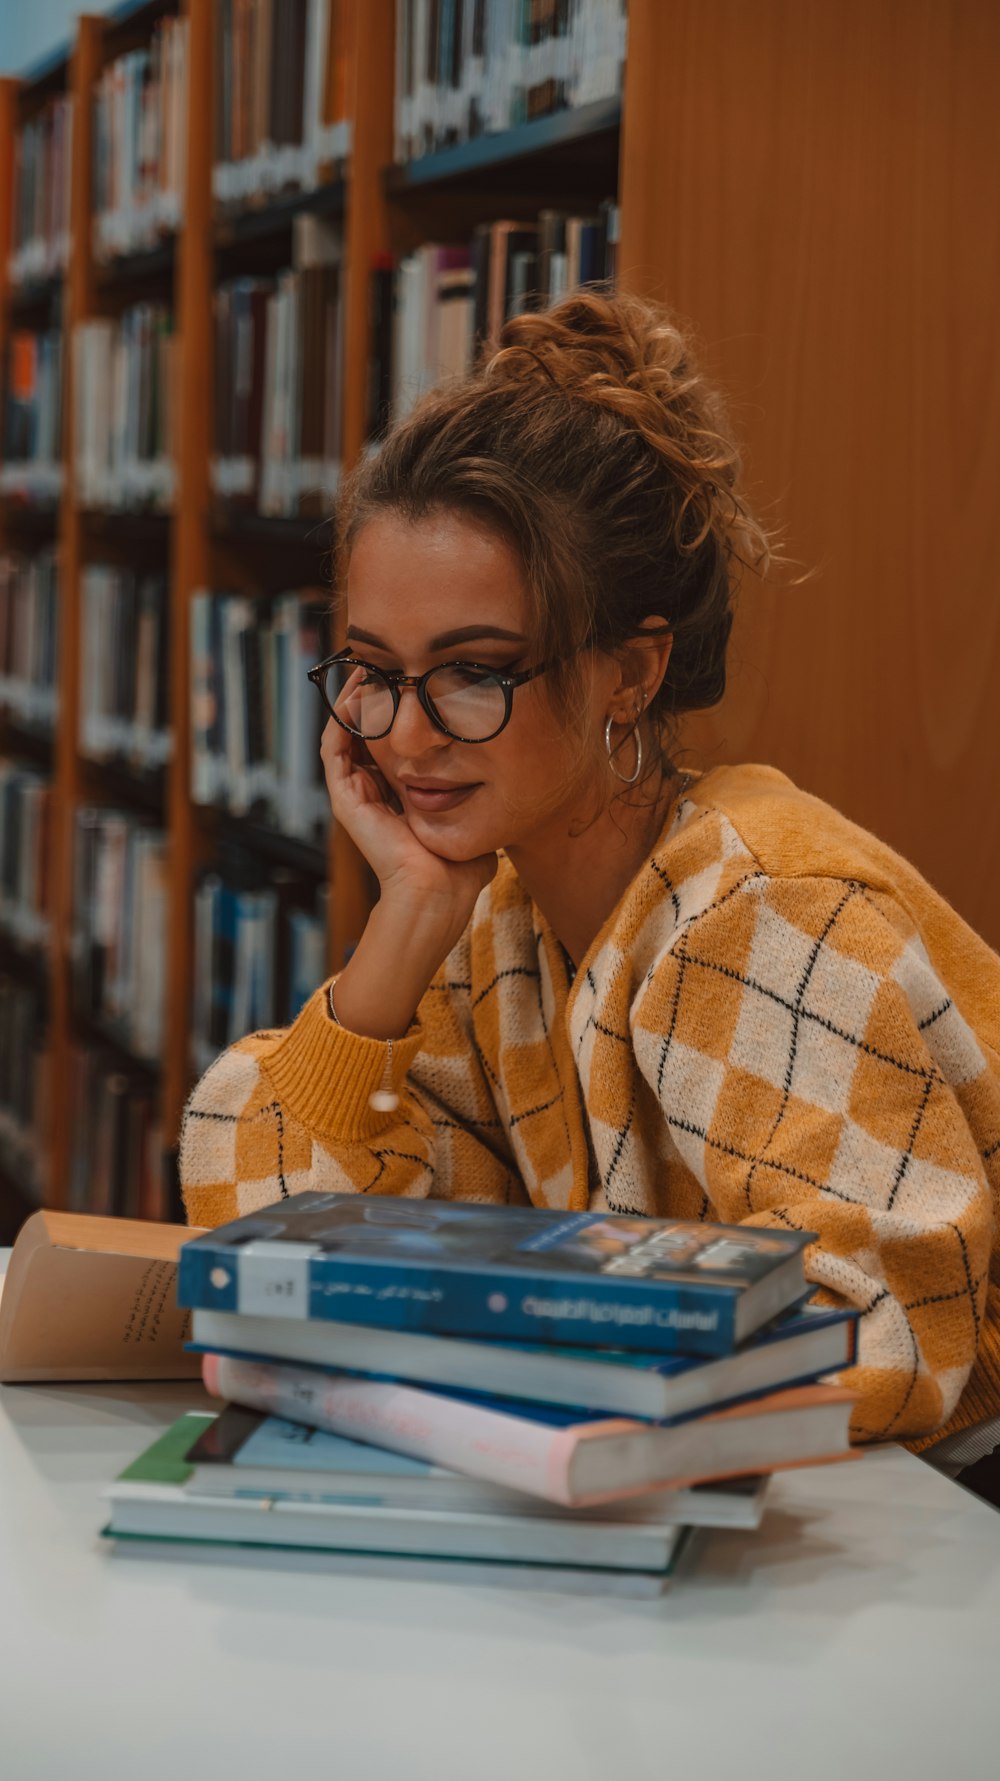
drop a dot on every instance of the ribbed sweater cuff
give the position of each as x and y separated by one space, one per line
324 1075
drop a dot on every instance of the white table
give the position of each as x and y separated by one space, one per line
857 1634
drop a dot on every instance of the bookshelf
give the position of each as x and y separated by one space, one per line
382 210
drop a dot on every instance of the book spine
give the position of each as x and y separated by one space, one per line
289 1280
465 1437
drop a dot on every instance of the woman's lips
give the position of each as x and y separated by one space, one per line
432 798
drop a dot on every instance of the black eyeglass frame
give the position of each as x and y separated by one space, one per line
396 680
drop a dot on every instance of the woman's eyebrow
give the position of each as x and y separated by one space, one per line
448 639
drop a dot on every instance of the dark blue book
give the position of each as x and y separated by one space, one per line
586 1279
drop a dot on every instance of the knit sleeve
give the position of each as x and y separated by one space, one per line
815 1075
282 1112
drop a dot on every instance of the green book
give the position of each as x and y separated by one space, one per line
165 1462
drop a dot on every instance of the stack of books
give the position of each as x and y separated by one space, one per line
515 1387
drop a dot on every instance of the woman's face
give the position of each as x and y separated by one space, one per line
442 589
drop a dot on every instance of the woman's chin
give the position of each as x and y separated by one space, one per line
452 840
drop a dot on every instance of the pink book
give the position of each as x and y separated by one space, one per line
561 1455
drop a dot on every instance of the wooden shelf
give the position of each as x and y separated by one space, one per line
37 304
29 964
114 782
133 524
128 277
223 826
567 151
35 745
101 1034
23 523
309 533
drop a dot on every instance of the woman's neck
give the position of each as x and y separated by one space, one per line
576 879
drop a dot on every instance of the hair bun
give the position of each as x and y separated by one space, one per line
630 358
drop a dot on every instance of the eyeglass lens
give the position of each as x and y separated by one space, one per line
469 702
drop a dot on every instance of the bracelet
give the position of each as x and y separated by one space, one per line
383 1099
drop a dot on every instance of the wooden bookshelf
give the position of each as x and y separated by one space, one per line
204 546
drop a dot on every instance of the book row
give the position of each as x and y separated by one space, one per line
120 922
256 722
140 125
278 352
29 638
259 953
32 434
124 409
124 711
447 301
25 850
281 80
40 215
117 1167
472 69
25 1086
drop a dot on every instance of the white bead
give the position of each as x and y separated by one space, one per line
383 1100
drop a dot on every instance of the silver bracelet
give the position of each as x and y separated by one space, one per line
383 1099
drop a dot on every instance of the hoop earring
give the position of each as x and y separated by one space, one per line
626 778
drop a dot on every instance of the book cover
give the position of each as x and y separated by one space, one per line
587 1279
93 1298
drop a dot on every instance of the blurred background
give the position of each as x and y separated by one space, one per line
236 237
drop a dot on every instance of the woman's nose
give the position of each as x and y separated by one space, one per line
412 730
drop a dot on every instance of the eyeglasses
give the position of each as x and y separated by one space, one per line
463 700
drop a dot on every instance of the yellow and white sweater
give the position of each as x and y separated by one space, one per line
781 1023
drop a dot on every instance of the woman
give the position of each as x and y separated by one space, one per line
592 979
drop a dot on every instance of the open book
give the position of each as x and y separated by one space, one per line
94 1298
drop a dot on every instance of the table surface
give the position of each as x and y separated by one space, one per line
857 1633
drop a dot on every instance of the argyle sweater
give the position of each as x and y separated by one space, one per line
781 1023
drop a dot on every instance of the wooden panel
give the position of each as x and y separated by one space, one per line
78 306
366 234
190 567
814 185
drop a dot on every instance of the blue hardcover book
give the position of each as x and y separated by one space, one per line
587 1279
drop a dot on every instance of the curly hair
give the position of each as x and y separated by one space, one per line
590 440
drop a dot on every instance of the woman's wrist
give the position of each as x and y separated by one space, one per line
381 986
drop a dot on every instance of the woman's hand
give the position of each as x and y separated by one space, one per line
426 901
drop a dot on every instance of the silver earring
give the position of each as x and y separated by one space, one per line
626 778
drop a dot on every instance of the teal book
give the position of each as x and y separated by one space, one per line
586 1279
